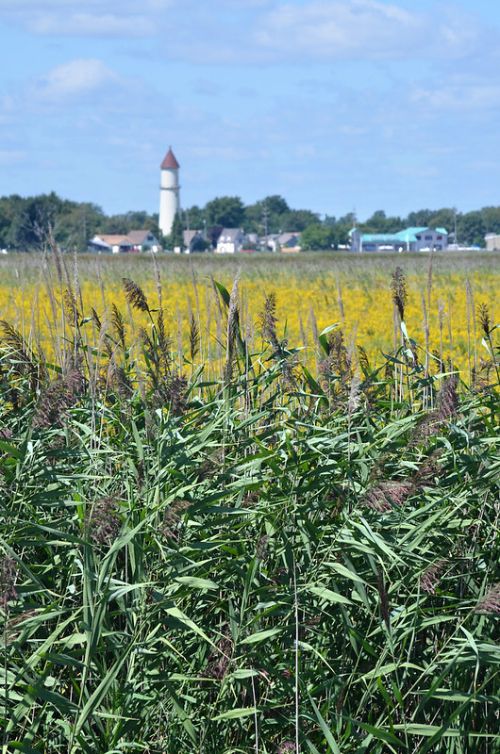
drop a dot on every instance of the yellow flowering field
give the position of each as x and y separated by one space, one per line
312 292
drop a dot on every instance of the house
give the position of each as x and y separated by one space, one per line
231 241
289 242
133 241
409 239
110 244
143 240
492 241
193 241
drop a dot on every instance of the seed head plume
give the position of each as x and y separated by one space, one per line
96 320
15 341
118 324
194 338
103 522
399 293
172 519
448 398
8 575
119 379
387 494
490 602
233 328
484 319
384 599
268 320
164 343
70 307
219 661
135 295
429 581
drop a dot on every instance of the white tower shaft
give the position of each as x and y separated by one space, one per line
169 193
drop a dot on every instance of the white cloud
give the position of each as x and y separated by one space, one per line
360 29
338 29
88 24
75 77
459 95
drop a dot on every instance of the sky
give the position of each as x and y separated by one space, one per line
337 105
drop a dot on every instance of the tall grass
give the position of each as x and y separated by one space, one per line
264 559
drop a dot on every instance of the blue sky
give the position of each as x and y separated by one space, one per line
334 104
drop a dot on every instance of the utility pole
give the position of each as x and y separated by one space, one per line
265 220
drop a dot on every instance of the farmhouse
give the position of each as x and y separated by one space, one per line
409 239
231 241
492 241
133 241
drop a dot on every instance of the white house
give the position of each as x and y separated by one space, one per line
134 241
231 241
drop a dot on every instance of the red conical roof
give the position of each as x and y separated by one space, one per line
169 161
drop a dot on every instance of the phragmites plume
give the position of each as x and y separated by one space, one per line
364 362
172 519
218 663
119 380
399 293
429 580
194 338
448 398
387 494
70 307
25 361
103 521
233 329
135 295
490 602
384 599
164 344
118 324
354 395
57 398
8 576
96 319
268 320
484 319
286 747
447 405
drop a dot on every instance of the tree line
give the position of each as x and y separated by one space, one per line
26 223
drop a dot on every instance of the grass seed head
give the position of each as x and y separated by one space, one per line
103 522
8 576
399 292
135 295
490 602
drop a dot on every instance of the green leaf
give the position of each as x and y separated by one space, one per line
196 583
261 636
328 595
233 714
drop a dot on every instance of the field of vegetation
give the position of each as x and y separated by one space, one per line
249 505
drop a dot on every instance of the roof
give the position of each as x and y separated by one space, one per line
169 161
408 235
230 234
113 240
138 236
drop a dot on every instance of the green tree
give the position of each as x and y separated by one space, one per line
318 236
268 213
176 238
228 211
299 219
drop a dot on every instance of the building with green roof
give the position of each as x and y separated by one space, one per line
409 239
